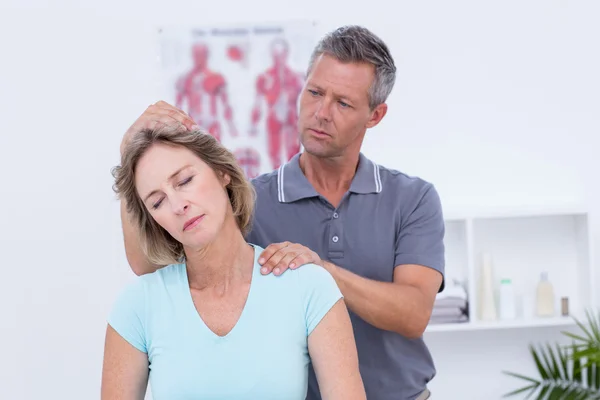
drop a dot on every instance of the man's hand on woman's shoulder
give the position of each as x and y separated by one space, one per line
278 257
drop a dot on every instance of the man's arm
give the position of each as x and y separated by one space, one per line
403 306
136 258
156 115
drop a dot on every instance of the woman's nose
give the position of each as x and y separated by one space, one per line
180 206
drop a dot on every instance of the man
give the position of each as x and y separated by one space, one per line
377 231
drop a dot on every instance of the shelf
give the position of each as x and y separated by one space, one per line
458 214
502 324
523 242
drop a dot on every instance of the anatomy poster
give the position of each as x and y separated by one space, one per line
241 84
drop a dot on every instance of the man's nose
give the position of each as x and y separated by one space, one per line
324 110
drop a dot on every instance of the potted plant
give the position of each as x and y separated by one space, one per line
566 372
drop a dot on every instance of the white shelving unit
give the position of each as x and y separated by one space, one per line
522 243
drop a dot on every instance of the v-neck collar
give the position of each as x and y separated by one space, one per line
246 309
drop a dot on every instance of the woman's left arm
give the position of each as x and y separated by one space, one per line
332 348
125 369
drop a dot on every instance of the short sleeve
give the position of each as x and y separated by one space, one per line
321 292
421 236
127 316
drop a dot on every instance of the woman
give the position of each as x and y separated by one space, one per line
209 325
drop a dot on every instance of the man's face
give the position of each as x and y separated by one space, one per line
334 108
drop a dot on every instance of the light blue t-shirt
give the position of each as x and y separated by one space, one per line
265 356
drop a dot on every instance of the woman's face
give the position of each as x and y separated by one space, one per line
183 194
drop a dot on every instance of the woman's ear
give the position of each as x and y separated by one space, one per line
225 179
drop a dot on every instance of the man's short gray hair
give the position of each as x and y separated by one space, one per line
356 44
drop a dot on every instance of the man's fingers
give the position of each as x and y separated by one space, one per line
270 250
271 256
181 117
278 257
272 261
169 115
285 261
301 259
162 107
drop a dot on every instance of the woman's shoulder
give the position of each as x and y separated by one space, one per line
305 276
158 279
313 274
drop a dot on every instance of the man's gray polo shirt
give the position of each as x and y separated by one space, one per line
386 219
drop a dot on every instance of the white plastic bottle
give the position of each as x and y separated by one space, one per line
487 301
545 297
507 300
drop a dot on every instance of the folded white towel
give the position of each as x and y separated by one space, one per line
452 291
447 312
450 303
448 320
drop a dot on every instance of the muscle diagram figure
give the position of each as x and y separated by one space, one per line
205 91
278 89
249 160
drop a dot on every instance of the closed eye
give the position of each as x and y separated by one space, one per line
155 205
185 181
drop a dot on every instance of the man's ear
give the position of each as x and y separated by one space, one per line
377 115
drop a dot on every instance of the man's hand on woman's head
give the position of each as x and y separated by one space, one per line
158 115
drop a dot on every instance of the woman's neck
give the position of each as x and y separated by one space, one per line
227 260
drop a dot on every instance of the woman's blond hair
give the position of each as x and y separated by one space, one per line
157 244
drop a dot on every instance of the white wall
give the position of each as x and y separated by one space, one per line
496 103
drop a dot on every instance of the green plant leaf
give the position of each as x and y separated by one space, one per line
582 326
556 393
543 392
540 367
526 378
568 372
575 336
557 372
594 325
572 393
547 365
590 376
521 390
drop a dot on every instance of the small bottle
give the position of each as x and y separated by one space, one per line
544 297
487 302
507 300
564 306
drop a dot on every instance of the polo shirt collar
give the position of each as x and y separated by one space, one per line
292 185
